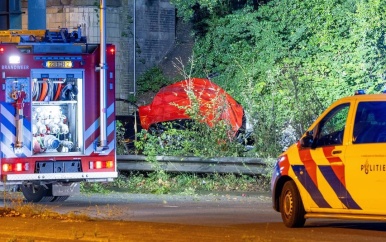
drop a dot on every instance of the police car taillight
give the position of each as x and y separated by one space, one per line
101 164
15 167
360 92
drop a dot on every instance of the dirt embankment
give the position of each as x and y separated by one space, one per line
181 52
178 57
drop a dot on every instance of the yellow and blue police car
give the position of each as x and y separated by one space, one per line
338 167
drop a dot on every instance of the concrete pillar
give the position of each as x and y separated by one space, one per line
15 14
37 14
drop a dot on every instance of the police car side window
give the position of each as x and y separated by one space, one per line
370 123
331 127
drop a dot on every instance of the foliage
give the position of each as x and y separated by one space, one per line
205 134
288 60
186 183
187 9
120 139
201 12
93 187
195 137
198 140
152 80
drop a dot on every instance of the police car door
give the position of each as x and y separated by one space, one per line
365 166
327 154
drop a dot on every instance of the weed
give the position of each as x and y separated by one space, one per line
152 80
77 234
120 132
77 216
108 211
189 191
93 187
160 182
18 208
121 182
96 233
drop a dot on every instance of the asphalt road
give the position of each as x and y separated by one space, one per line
196 210
236 217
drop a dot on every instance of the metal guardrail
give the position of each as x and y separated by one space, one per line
235 165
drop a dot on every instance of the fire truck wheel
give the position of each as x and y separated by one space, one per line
35 193
291 206
47 199
59 198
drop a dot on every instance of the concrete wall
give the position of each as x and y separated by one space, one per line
155 33
154 37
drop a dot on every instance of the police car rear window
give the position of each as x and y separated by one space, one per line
370 123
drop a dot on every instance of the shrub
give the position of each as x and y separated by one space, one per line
152 80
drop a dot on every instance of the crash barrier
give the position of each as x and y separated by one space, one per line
235 165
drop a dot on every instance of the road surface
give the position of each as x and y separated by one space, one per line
141 217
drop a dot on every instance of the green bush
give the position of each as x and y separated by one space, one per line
205 135
120 139
185 183
152 80
288 60
198 140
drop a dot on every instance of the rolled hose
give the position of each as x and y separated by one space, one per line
44 89
58 91
69 92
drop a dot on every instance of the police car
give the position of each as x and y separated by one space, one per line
338 167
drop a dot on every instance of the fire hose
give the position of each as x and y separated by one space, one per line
19 97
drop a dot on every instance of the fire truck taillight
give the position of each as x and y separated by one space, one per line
101 164
112 50
1 50
15 167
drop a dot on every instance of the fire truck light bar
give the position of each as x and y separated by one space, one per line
101 164
15 167
14 59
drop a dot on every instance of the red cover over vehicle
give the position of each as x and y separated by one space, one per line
171 102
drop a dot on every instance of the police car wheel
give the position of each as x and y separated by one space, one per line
291 206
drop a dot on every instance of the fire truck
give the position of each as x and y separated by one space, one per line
57 113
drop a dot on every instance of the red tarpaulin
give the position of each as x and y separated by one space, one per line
171 102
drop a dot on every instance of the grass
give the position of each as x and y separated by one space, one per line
160 182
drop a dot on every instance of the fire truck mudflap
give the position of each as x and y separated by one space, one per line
50 109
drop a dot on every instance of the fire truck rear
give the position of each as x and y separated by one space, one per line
57 115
